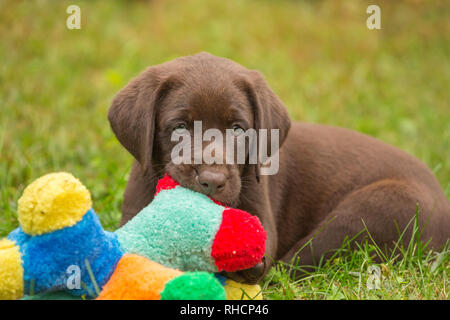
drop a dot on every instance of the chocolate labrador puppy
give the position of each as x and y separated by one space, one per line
332 183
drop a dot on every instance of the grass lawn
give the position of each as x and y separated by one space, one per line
318 56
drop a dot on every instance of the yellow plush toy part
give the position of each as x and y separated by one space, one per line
11 271
63 203
241 291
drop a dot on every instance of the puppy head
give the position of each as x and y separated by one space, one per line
170 98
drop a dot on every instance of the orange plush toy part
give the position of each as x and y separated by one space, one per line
147 278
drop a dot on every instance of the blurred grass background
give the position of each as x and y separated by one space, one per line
318 56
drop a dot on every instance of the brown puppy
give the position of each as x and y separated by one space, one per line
331 181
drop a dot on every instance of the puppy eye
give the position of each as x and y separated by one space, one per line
180 129
237 130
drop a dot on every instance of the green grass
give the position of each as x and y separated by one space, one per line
349 277
56 85
409 271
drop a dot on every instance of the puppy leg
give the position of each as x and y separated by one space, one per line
138 193
384 207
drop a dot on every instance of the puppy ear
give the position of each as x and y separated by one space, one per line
133 111
268 111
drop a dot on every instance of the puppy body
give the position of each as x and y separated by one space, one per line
332 182
345 181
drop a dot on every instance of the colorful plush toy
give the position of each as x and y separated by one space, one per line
179 230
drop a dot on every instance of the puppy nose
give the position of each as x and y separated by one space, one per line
211 181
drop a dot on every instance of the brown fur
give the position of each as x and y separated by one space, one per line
330 181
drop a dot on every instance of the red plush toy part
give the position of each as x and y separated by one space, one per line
166 183
245 234
240 242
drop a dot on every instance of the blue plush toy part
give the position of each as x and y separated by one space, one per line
47 257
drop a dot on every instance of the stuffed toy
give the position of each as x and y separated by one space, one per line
180 229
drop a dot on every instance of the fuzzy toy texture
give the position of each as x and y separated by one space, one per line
237 244
194 286
147 278
178 234
52 202
189 231
181 229
47 257
11 271
241 291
